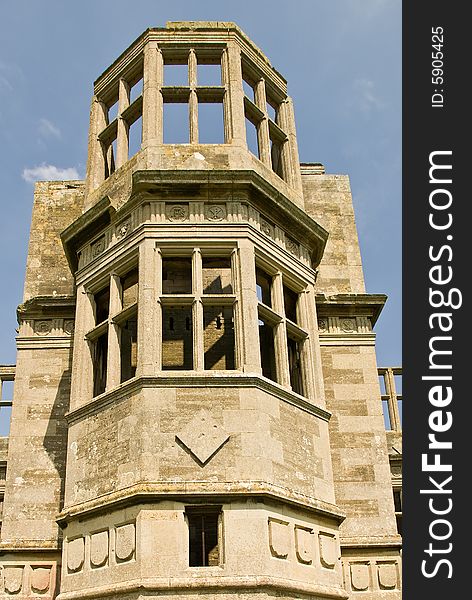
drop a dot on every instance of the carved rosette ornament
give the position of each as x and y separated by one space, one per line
177 212
43 327
215 212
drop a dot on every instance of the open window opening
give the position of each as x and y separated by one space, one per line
177 275
267 349
216 275
99 358
397 500
264 287
204 536
290 302
294 365
135 136
176 73
6 402
209 74
176 123
218 337
177 338
210 123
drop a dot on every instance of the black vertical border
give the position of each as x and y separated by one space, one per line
427 129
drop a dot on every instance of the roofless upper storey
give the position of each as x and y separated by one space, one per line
132 100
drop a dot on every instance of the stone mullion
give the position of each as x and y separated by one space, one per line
228 131
289 122
122 140
96 160
237 316
236 94
114 334
263 138
197 311
306 349
148 344
395 422
153 76
193 100
288 165
158 312
250 353
280 338
309 322
82 363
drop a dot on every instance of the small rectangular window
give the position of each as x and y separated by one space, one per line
177 275
176 74
209 74
251 138
177 338
176 123
294 365
129 289
290 302
102 304
267 349
218 337
264 287
204 542
386 415
128 349
210 123
217 276
100 351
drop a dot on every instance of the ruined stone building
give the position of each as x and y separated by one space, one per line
196 408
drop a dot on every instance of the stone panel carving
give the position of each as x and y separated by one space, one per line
292 245
69 326
267 228
13 579
98 246
43 327
328 550
75 555
348 325
40 579
360 578
177 212
304 544
279 538
122 229
322 325
99 549
125 542
388 575
203 436
215 212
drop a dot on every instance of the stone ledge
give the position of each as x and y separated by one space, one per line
216 583
185 490
192 379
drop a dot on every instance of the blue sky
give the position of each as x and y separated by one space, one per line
342 61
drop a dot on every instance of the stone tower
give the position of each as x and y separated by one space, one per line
196 407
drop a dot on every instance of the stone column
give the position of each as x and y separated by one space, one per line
197 311
193 100
235 94
114 331
95 174
263 138
307 358
280 338
122 140
82 363
153 76
310 323
148 315
288 120
251 360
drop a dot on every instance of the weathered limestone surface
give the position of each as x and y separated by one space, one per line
196 411
56 205
328 200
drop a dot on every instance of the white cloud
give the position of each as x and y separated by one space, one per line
364 96
49 173
48 130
